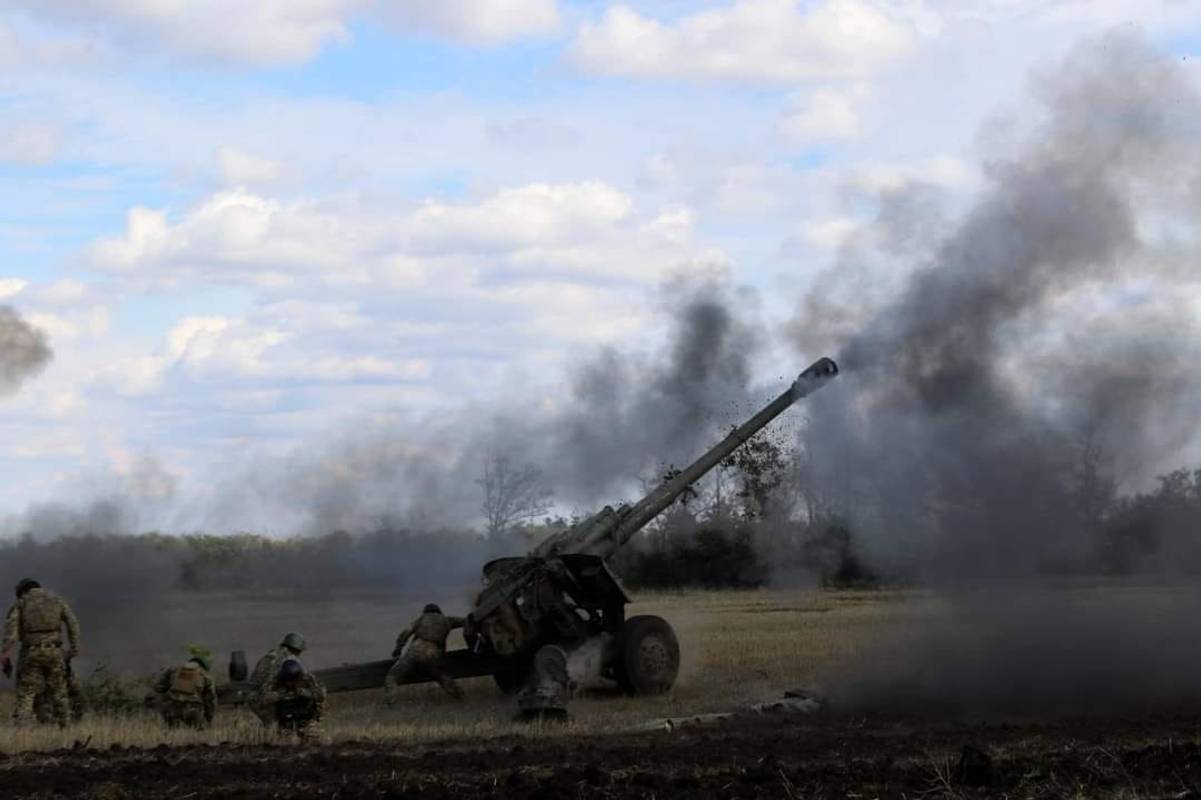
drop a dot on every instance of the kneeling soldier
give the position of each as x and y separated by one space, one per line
291 646
296 700
187 694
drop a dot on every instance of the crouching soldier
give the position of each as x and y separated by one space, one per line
290 647
36 621
425 654
296 701
187 694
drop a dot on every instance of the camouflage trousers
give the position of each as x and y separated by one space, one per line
43 705
421 658
42 669
182 713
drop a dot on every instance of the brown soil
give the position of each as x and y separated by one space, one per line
770 756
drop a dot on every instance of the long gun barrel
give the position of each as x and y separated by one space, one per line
606 532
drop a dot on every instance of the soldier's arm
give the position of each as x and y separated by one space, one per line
72 630
12 628
210 699
163 684
270 693
456 622
318 697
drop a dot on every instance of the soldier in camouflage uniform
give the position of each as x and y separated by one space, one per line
291 646
296 701
425 654
36 621
187 694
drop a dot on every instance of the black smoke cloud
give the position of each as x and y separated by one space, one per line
1053 314
24 351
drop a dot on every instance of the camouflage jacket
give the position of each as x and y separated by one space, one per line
308 688
432 628
37 619
268 666
189 683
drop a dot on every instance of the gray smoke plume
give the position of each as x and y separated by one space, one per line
1041 351
1053 319
24 351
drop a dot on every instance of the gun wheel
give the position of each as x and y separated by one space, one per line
648 655
237 666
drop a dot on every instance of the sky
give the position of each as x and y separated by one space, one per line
245 228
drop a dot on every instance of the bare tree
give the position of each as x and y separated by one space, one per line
513 493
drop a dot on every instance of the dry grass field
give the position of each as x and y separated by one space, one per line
737 647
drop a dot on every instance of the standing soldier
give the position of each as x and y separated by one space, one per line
291 646
296 701
425 654
187 694
36 621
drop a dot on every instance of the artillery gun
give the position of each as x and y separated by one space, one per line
553 622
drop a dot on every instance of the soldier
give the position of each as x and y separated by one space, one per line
291 646
187 694
296 701
36 621
425 654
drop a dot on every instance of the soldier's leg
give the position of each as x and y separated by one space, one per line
263 710
56 685
31 681
309 732
400 671
444 680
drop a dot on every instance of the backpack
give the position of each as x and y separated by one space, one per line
187 682
41 613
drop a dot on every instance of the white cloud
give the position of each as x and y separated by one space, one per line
240 168
259 32
942 170
24 46
934 15
574 230
234 236
486 22
10 287
749 40
828 233
29 143
536 214
826 114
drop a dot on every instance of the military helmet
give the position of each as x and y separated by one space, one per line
290 671
431 608
294 642
203 661
25 584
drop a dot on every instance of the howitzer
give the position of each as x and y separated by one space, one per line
553 621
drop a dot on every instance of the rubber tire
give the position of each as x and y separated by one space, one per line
237 666
648 656
511 680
